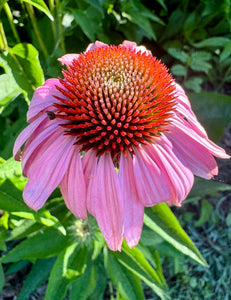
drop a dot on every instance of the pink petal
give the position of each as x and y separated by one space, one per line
133 208
179 178
193 155
184 127
95 45
73 186
151 183
25 134
37 141
105 201
43 99
133 46
68 59
184 108
89 160
47 171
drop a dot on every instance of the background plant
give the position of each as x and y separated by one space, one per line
193 39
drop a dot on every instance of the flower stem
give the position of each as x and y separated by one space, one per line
11 21
52 9
36 29
3 40
62 44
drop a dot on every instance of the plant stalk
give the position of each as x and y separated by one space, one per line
52 9
61 36
11 21
36 29
3 40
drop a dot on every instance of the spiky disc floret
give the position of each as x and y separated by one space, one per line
115 99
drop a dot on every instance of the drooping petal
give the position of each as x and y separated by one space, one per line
185 110
151 183
183 126
89 160
48 171
105 201
178 177
73 186
68 59
43 99
192 154
25 134
39 141
133 208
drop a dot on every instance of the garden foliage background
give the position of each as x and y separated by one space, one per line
51 255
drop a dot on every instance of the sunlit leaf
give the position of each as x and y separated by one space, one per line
12 170
134 260
69 265
161 220
84 286
25 66
41 5
127 283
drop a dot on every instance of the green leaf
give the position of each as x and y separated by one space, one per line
199 61
127 283
178 70
84 286
45 243
205 211
139 14
161 220
134 260
8 86
2 2
213 42
15 267
101 281
213 111
136 18
38 274
194 84
26 228
2 241
26 70
41 5
2 278
226 51
81 19
11 198
12 170
178 54
9 90
175 23
204 187
69 265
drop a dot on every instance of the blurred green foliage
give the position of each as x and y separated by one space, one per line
193 38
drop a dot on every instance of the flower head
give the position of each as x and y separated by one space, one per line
117 134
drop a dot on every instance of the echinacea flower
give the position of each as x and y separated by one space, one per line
116 134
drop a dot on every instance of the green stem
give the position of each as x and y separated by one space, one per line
52 9
36 29
3 40
227 73
62 44
11 21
